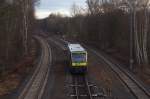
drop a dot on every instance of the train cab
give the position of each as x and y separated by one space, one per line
77 58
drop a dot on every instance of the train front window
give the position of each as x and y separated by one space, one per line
78 57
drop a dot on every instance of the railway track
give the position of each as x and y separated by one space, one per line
79 87
132 84
35 87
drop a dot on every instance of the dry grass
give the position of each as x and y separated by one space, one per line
103 76
10 80
9 83
143 72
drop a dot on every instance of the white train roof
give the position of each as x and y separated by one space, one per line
75 47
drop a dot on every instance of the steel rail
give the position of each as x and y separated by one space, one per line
76 88
88 87
132 85
79 82
130 76
57 43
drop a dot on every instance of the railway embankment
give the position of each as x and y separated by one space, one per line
11 80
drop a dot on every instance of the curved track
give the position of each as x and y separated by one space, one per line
36 85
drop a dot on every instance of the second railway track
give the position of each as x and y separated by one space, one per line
35 87
133 85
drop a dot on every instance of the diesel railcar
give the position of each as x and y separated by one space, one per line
77 58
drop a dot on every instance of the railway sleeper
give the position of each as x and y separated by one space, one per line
91 85
93 95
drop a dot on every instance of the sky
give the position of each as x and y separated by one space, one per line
56 6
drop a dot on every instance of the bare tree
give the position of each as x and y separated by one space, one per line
94 6
75 10
16 18
140 37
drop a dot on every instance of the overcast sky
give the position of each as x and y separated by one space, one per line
53 6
